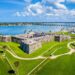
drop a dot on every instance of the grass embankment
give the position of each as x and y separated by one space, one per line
21 53
61 66
66 33
4 66
60 48
22 67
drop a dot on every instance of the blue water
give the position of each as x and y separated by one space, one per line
14 30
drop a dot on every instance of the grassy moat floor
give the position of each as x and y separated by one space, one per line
39 62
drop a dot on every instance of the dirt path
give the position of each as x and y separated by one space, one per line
21 58
68 53
34 58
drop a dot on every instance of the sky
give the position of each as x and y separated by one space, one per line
37 10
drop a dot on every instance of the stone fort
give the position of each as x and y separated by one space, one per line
33 41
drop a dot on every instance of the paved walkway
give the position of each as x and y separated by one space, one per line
21 58
35 58
42 57
68 53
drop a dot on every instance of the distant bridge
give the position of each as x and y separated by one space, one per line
71 24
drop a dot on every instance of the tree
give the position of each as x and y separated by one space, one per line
16 63
4 47
50 31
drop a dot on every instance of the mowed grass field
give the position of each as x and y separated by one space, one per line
60 66
59 48
8 63
4 66
24 67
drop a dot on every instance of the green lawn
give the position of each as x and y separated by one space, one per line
4 66
24 67
66 33
60 48
61 66
19 52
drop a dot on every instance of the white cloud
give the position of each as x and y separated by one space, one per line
72 0
49 14
60 10
57 3
36 8
18 14
28 1
60 6
32 9
72 12
60 1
